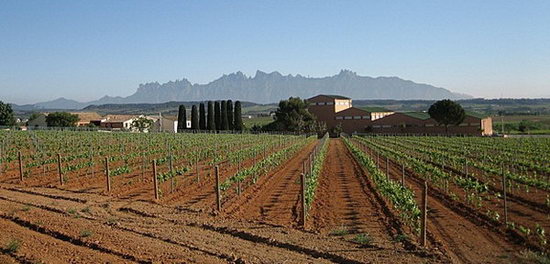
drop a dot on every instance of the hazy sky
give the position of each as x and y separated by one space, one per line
86 49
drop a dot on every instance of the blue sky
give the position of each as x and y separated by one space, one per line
86 49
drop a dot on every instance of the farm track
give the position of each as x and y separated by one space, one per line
462 239
275 198
343 201
123 231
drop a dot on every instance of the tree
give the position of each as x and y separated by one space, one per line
143 124
230 115
210 124
61 119
292 115
447 112
6 115
225 124
202 117
34 116
237 118
194 118
217 115
182 118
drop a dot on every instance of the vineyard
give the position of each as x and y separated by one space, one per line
88 197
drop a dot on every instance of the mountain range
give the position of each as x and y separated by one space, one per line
267 88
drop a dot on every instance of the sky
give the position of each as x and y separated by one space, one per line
84 50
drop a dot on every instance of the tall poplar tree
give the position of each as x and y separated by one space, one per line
217 115
230 115
237 117
202 117
182 118
225 124
211 124
194 118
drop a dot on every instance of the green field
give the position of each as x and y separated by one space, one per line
522 124
260 121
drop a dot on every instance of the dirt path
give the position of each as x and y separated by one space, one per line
463 240
55 226
343 202
275 198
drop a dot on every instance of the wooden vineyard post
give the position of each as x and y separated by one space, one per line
92 164
378 160
239 187
505 200
1 156
20 166
217 189
107 177
387 167
172 182
198 170
403 174
155 180
303 191
143 164
59 169
311 157
424 214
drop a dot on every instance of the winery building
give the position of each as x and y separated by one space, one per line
335 110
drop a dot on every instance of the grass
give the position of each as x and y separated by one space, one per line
86 209
86 233
26 208
263 120
13 246
73 212
112 221
363 239
400 237
534 257
342 231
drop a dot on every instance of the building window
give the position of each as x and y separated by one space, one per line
357 117
376 126
321 103
366 117
348 117
339 118
330 103
430 125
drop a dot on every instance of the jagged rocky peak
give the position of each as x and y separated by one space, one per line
272 87
346 72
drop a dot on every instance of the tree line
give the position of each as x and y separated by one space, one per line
219 115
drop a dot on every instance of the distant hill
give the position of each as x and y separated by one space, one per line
165 108
539 106
270 88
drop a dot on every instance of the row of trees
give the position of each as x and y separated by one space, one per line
221 115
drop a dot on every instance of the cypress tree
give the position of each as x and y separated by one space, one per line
194 118
202 117
230 114
217 115
225 125
238 119
210 124
182 118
